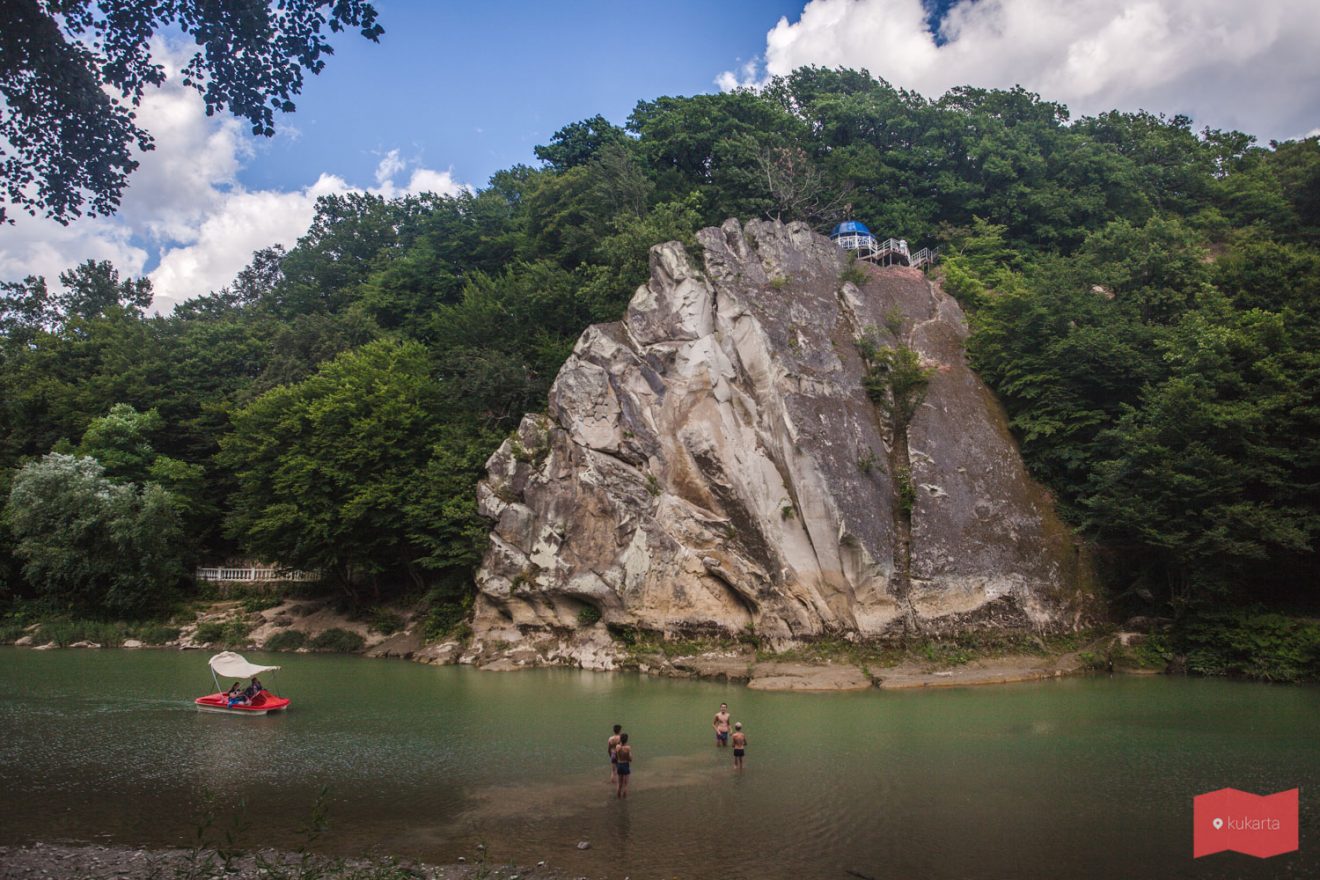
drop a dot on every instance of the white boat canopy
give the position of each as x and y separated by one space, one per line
232 665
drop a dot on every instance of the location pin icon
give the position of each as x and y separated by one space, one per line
1218 823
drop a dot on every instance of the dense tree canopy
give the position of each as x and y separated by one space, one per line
1145 300
72 70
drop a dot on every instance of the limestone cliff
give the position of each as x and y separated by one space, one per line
714 462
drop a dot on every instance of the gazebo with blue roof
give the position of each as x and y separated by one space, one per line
853 235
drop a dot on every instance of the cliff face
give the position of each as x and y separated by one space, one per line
714 462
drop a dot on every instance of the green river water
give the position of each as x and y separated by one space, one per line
1075 778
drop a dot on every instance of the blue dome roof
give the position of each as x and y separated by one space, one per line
850 227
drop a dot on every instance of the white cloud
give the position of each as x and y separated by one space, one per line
44 247
186 203
223 241
421 180
1225 64
442 183
242 221
746 75
388 167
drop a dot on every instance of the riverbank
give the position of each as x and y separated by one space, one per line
837 665
91 862
1257 645
305 625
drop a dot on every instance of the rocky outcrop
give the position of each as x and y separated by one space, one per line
713 463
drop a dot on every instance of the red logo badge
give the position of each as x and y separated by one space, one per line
1258 825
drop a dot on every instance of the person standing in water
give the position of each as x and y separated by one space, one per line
721 724
623 763
739 745
612 744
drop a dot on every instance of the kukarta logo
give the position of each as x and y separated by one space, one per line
1255 824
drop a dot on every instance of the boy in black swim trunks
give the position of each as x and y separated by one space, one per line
739 745
623 762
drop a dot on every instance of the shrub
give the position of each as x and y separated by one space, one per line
854 273
340 641
260 603
626 634
945 653
445 609
232 633
1092 661
67 631
155 633
893 319
386 622
208 632
1252 643
12 628
589 616
907 492
287 640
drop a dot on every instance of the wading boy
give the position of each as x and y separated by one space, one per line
739 746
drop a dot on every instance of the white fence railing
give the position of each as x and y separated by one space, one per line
924 257
887 252
253 574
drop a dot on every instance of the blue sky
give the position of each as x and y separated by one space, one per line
455 92
476 86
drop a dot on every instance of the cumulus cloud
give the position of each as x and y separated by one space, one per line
186 204
43 247
241 221
225 237
1225 64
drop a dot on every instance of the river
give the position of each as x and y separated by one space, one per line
1073 778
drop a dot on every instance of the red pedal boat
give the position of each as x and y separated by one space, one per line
253 700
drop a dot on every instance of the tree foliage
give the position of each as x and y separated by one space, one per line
333 472
88 543
72 70
1143 299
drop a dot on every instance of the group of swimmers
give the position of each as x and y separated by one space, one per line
621 752
237 696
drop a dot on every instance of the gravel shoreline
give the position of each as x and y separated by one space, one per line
94 862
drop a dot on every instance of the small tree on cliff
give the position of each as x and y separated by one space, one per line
895 381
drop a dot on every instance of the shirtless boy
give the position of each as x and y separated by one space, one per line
623 761
721 725
612 744
739 745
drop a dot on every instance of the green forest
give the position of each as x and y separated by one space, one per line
1144 297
